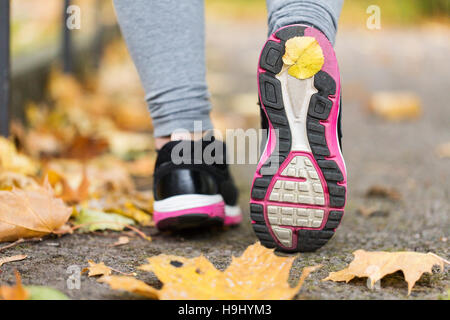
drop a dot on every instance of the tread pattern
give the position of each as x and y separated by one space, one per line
318 110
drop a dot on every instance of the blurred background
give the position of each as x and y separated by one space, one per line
396 114
397 73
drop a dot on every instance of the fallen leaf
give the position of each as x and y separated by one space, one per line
130 211
121 241
257 274
395 106
69 194
11 160
92 220
443 150
9 180
16 292
378 191
85 147
304 56
377 264
44 293
130 284
373 211
12 259
42 144
30 213
105 174
97 269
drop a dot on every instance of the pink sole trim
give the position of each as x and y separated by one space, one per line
216 210
231 221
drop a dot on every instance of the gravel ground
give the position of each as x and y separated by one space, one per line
394 155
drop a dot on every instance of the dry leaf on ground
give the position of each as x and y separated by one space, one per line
130 284
12 259
92 220
373 211
11 160
121 241
31 213
257 274
375 265
97 269
378 191
443 150
68 194
395 106
304 57
16 292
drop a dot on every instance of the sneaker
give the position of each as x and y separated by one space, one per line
193 194
299 188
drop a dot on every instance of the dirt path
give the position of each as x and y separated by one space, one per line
396 155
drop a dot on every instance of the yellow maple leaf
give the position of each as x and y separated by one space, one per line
97 269
304 57
257 274
377 264
30 213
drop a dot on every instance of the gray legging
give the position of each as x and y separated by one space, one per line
166 40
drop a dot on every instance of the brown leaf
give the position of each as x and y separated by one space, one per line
68 194
373 211
105 174
86 148
378 191
12 259
16 292
257 274
97 269
443 150
121 241
375 265
395 106
31 213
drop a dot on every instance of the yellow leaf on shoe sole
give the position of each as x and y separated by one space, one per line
304 57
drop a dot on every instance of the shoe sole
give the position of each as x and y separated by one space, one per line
189 221
194 211
299 188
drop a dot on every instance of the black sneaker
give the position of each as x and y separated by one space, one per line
191 192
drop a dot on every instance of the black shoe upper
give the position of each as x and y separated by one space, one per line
182 169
